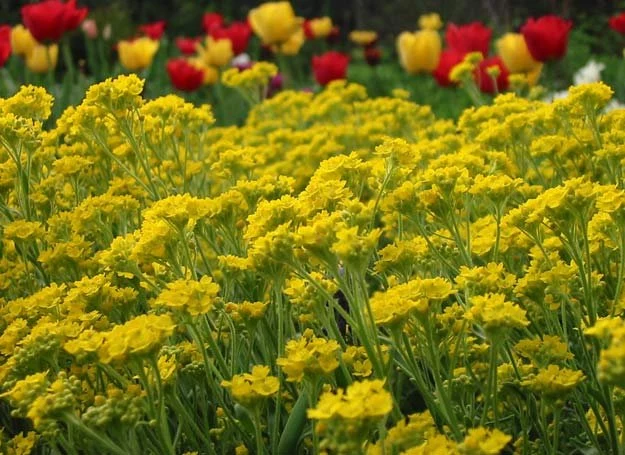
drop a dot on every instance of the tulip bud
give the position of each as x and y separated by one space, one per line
90 28
42 58
138 54
274 22
22 42
107 32
419 51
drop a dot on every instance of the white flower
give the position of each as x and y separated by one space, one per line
614 105
556 96
591 72
241 60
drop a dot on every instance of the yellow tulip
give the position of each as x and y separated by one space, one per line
137 54
430 21
419 51
216 52
22 42
320 27
513 51
211 74
42 59
293 44
534 75
363 37
274 22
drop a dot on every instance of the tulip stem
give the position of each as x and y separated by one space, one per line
69 62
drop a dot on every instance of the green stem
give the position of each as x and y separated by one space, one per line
104 442
258 432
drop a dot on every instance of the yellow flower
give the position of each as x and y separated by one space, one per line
30 102
394 306
143 334
513 50
249 389
354 248
292 45
22 444
494 313
362 400
252 79
309 356
482 441
438 444
320 27
419 51
461 72
42 59
430 21
190 296
24 230
216 53
22 42
611 331
211 74
26 390
166 368
274 22
553 381
363 37
137 54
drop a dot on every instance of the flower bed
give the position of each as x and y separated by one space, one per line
341 273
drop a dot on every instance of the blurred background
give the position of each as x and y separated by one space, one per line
386 16
590 38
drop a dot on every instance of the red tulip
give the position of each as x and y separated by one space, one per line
373 55
183 75
238 33
50 19
617 23
546 37
485 81
5 43
330 66
449 58
308 32
187 45
153 30
211 20
473 37
334 36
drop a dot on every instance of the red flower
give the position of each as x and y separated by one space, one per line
5 43
238 33
330 66
187 45
334 35
449 59
183 75
50 19
546 37
153 30
485 81
373 55
211 20
617 23
308 32
473 37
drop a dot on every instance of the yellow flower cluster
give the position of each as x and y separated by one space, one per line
415 284
309 356
39 57
344 417
249 389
